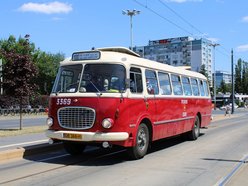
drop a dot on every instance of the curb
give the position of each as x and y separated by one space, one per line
22 152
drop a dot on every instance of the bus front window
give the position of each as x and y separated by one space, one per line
103 78
68 79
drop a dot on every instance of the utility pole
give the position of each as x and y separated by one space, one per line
214 81
131 13
233 92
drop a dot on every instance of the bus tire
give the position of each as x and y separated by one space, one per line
195 132
73 148
142 143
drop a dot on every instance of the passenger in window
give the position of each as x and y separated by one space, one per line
150 90
132 86
106 84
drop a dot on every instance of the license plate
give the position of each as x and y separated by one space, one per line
72 136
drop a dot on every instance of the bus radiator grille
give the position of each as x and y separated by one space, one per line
76 117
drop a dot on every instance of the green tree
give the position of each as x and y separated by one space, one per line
18 70
238 77
224 88
245 78
204 72
48 65
19 46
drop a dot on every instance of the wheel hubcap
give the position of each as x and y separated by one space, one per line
141 140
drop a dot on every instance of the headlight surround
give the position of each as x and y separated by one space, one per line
49 122
107 123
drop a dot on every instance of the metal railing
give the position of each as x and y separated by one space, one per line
25 111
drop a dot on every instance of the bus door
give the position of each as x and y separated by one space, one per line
136 103
152 91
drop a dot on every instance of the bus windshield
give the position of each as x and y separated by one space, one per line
68 79
95 78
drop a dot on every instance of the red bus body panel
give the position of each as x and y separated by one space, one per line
167 116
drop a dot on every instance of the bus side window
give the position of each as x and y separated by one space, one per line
136 85
164 81
186 86
195 87
177 86
202 88
205 85
151 82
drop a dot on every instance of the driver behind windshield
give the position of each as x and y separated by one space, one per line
94 85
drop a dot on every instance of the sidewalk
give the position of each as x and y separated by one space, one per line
220 114
222 117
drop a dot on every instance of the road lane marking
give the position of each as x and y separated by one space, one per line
24 143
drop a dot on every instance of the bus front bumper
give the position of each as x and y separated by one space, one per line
87 136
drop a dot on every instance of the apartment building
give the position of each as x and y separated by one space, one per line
224 76
180 51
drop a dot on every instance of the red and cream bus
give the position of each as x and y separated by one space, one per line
114 97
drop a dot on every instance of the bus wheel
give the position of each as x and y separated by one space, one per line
73 148
142 143
195 132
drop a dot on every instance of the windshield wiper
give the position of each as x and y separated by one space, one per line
100 93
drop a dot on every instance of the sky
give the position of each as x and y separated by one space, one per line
67 26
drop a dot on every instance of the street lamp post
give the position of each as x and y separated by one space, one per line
131 13
233 92
214 82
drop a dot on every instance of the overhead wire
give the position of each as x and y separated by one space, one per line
226 53
192 26
164 18
178 15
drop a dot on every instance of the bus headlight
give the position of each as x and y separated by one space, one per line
107 123
49 122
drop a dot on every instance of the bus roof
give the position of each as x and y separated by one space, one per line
120 49
127 57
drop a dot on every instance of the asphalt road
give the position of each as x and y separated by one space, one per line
8 122
207 161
